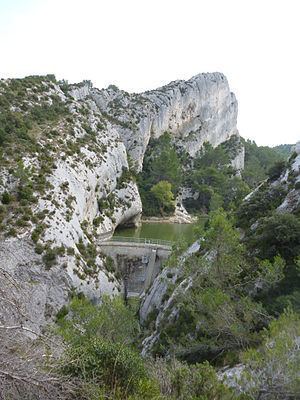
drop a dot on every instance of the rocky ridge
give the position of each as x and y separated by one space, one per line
194 111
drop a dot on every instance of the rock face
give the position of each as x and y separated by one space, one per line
157 304
93 150
239 160
43 292
194 111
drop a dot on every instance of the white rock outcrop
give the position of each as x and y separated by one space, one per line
199 110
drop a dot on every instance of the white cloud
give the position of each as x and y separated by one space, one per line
140 45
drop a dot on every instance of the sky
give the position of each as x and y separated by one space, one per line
143 44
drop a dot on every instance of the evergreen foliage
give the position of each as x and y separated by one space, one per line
278 234
161 164
209 175
101 355
272 370
162 191
262 202
258 161
213 178
284 150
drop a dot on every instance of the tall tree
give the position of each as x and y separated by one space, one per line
163 193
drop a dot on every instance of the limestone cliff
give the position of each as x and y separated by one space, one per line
194 111
68 165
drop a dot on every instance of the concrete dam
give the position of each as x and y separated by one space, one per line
138 260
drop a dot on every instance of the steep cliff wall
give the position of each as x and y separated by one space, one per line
194 111
73 161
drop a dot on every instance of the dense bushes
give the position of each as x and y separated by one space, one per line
217 317
100 346
258 161
272 370
90 321
276 170
113 366
269 232
214 179
262 202
6 198
102 356
278 234
180 381
218 314
209 174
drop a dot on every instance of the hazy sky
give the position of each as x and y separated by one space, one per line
143 44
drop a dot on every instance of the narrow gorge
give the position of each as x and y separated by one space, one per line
89 144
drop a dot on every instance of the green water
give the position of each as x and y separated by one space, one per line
163 231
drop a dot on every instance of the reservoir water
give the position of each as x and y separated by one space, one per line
160 230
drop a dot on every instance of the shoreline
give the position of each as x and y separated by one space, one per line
169 220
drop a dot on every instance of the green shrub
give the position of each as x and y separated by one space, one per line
100 346
12 232
2 136
6 198
88 252
180 381
112 365
37 232
261 203
109 264
126 176
50 258
97 221
21 222
70 251
39 248
62 313
276 234
111 320
272 370
276 170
